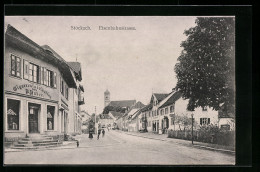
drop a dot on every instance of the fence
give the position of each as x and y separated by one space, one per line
226 138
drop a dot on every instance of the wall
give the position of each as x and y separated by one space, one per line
181 109
21 89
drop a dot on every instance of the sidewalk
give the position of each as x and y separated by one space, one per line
163 137
83 139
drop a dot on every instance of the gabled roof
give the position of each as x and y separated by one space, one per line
48 48
17 40
122 103
147 108
139 105
160 96
136 114
76 67
175 96
116 114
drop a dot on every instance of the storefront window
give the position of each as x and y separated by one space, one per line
50 117
13 107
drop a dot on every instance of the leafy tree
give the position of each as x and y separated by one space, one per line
206 69
185 121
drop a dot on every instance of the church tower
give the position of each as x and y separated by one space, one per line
106 98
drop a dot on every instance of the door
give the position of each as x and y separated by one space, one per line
33 119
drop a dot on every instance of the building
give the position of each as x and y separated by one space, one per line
77 99
106 120
84 115
226 121
126 104
169 111
131 116
134 122
202 115
150 115
38 86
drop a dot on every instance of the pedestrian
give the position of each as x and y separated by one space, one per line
91 131
99 131
103 133
77 143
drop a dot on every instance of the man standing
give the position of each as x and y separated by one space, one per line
99 131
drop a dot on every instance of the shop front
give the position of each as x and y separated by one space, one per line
27 116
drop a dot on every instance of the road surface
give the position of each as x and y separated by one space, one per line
120 148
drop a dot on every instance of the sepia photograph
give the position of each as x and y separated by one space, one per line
119 90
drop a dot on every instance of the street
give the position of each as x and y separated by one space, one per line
120 148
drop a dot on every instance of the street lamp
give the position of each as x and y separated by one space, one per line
192 128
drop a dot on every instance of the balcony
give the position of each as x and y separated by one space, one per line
81 101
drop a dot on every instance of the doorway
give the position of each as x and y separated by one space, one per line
33 110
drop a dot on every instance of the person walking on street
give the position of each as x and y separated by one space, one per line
99 131
91 130
103 133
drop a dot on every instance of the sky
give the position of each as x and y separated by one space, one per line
131 64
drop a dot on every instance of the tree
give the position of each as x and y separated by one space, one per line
185 121
206 68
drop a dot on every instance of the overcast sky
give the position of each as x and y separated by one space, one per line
130 63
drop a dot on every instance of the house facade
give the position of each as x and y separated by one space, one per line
169 111
202 116
37 83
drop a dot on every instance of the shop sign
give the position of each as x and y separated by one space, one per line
32 90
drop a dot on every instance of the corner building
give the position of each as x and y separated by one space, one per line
37 82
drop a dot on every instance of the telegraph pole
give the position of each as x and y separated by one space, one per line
95 120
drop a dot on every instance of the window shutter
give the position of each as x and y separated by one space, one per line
18 66
45 76
25 69
200 121
42 75
54 79
208 120
13 65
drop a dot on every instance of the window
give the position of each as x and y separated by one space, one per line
66 92
49 78
162 111
13 107
50 117
172 120
15 66
171 109
204 121
166 110
204 108
61 86
34 73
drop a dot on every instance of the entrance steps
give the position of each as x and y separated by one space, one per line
36 141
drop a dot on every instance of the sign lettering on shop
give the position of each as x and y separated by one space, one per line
32 90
